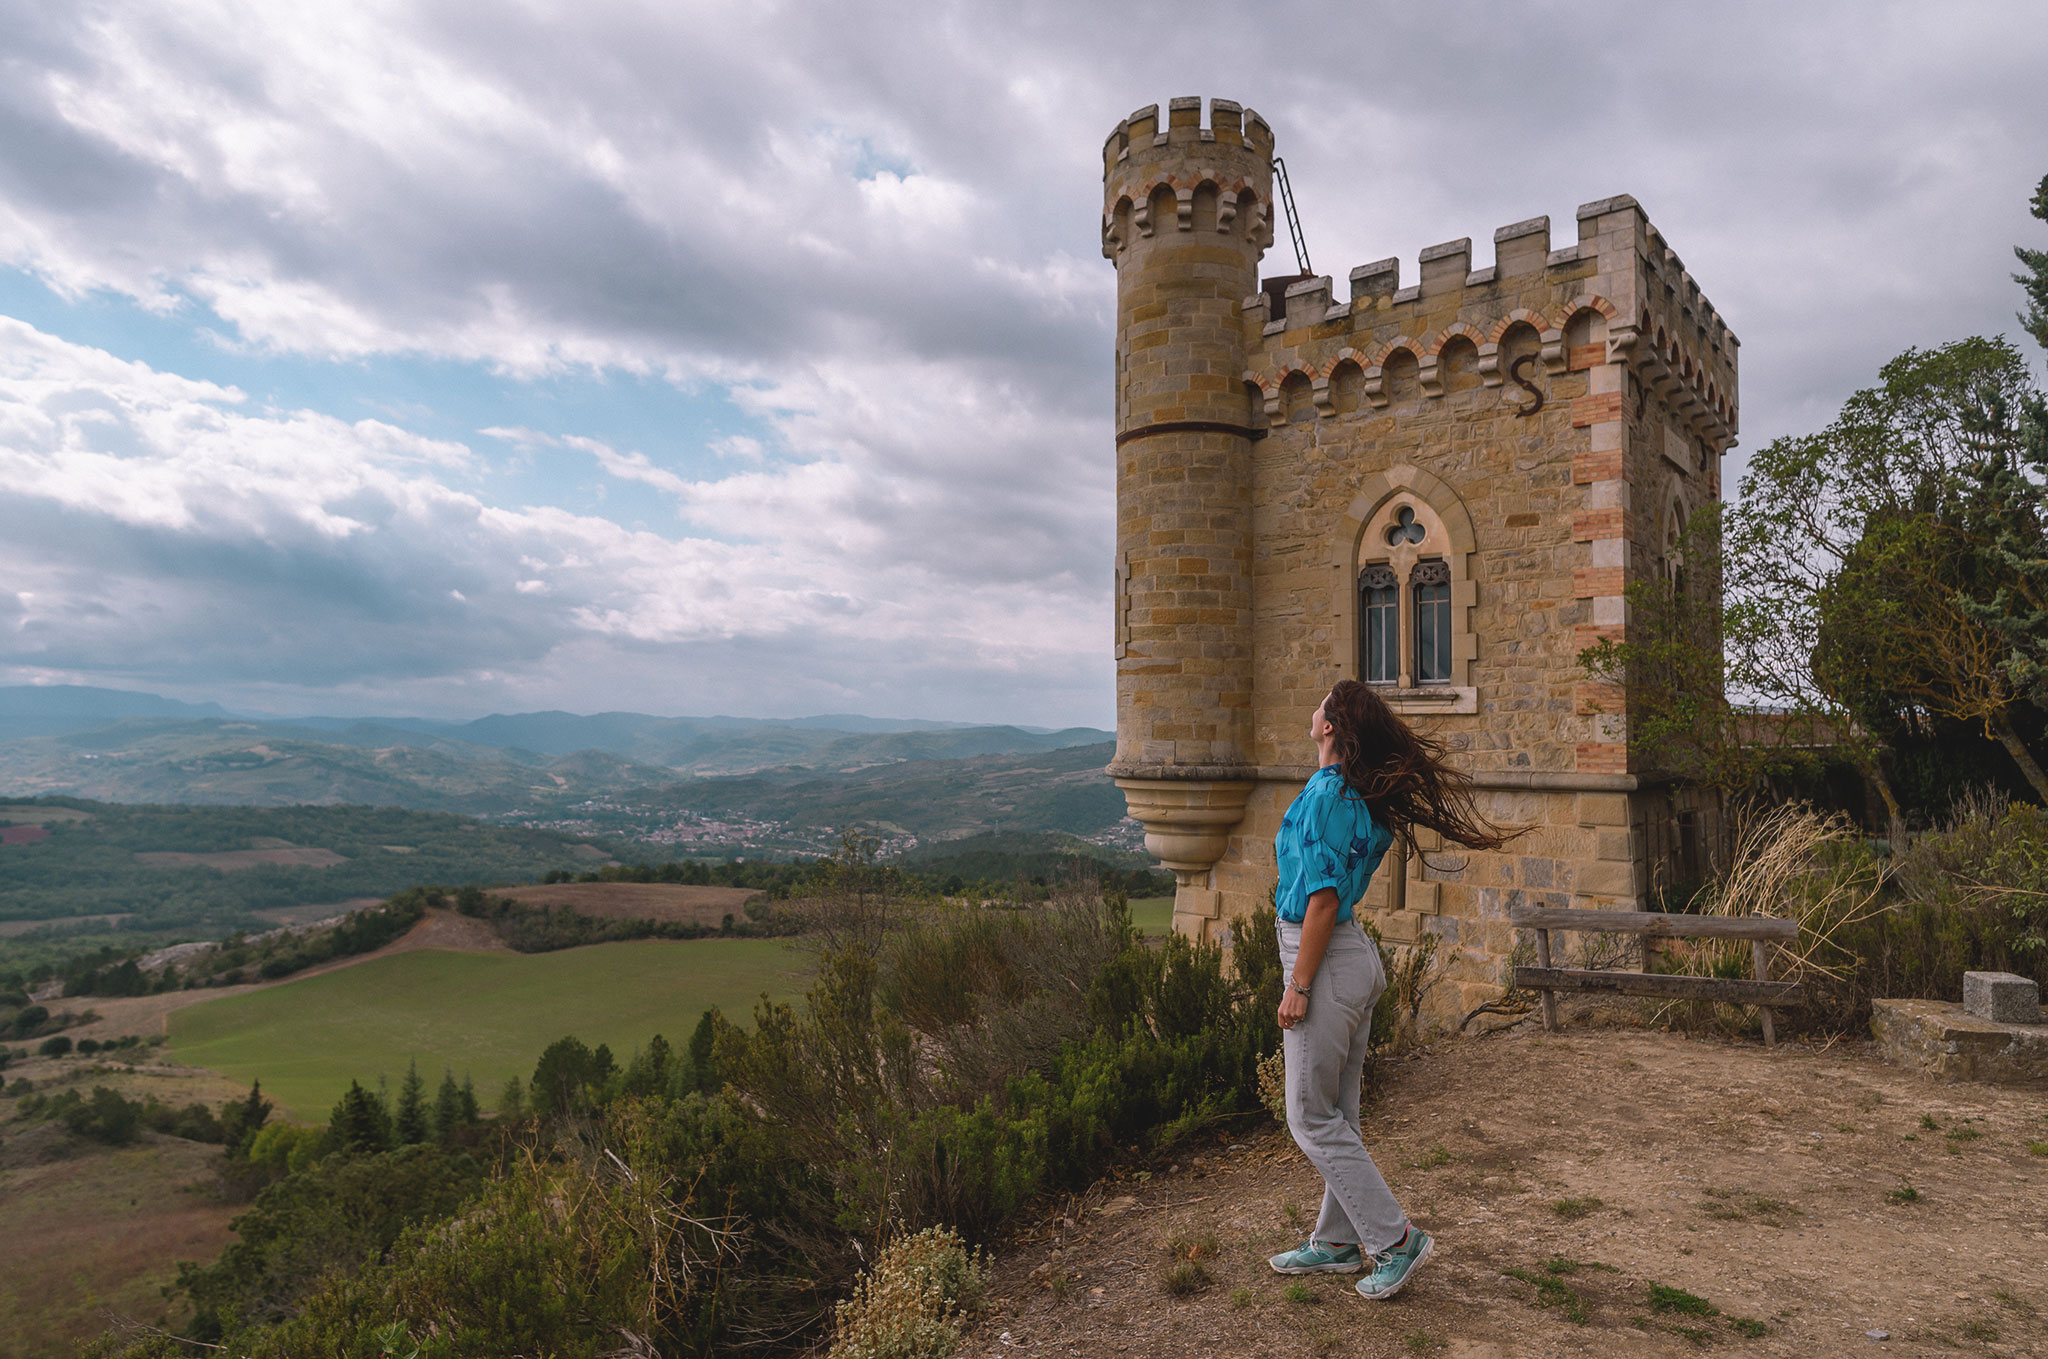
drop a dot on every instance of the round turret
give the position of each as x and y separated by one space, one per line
1186 217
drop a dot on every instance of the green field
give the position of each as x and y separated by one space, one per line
1153 915
485 1014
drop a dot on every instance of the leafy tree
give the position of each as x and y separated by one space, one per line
566 1076
410 1123
106 1117
56 1046
326 1220
359 1124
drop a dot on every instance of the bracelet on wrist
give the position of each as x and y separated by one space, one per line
1296 987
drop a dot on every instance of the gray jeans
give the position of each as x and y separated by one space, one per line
1325 1060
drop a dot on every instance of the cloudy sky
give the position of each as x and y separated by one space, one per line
754 358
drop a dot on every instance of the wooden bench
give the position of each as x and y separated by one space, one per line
1762 931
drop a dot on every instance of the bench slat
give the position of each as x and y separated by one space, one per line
1732 991
1656 923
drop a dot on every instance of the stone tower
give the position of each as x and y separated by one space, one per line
1443 489
1186 218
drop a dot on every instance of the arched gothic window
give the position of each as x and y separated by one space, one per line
1404 549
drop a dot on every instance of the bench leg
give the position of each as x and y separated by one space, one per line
1760 955
1549 996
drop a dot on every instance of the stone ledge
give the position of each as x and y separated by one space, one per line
1946 1042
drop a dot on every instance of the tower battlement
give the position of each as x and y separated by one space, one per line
1651 316
1187 176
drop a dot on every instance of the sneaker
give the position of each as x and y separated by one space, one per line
1318 1257
1391 1268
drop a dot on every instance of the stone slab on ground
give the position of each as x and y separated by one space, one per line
1947 1042
2003 997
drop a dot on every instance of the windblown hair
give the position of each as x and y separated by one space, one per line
1404 776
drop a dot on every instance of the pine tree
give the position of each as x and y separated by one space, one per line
470 1112
411 1124
243 1119
512 1099
703 1066
447 1106
359 1123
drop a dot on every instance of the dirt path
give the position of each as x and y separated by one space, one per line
147 1016
1595 1164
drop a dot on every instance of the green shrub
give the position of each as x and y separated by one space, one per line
914 1303
57 1046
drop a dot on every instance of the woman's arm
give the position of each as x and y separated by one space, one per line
1317 925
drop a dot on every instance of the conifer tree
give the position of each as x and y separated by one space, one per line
447 1105
411 1124
359 1125
512 1099
470 1112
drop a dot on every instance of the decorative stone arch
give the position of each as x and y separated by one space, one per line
1116 227
1432 376
1360 542
1672 518
1489 350
1343 391
1294 383
1375 367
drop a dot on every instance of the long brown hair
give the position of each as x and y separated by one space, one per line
1404 776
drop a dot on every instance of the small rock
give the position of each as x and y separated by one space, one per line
1879 1335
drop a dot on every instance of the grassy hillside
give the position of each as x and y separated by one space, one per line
485 1014
801 811
494 766
278 764
108 860
98 1231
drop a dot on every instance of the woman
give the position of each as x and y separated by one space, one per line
1376 781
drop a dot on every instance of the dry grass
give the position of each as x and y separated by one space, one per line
1789 863
293 856
100 1233
639 900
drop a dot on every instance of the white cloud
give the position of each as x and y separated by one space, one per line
155 526
873 230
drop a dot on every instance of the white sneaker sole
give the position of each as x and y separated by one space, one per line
1317 1269
1428 1248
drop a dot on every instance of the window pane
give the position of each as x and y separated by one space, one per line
1379 633
1432 622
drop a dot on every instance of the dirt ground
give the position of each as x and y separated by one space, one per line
639 900
1803 1198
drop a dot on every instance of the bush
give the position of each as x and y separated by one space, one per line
1969 896
57 1046
948 1065
914 1303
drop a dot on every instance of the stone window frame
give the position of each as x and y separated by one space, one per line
1361 543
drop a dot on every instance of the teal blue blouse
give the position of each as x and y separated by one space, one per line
1327 839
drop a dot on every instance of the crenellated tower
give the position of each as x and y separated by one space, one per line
1186 217
1444 488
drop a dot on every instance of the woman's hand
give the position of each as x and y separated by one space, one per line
1293 1008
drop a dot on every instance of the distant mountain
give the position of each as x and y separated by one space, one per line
91 745
48 709
270 764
